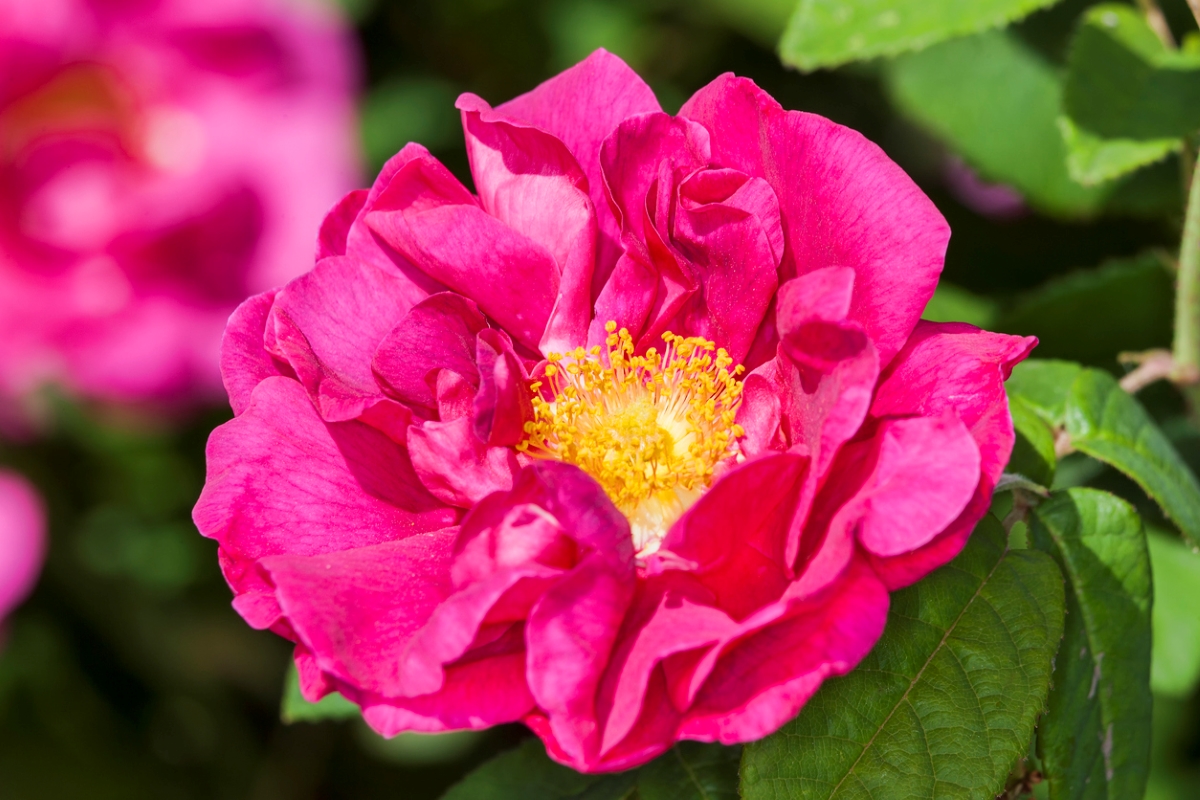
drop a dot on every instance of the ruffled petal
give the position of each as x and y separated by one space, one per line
245 362
282 481
580 107
429 217
844 203
437 334
528 180
329 356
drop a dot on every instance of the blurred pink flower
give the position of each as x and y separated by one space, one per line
630 446
160 160
22 540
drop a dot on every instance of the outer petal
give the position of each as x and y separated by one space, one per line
245 362
953 367
429 217
844 203
581 107
282 481
957 366
356 609
528 180
335 228
22 540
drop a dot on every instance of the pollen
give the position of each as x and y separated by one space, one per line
651 429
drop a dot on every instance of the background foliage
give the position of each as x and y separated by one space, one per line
127 675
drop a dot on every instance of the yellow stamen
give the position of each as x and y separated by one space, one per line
651 429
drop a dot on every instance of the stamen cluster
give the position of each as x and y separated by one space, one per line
650 428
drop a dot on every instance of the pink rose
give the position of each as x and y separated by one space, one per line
630 446
22 540
160 160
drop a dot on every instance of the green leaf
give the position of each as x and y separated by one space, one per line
691 771
1122 83
296 709
996 102
1175 659
1045 385
1095 739
1134 297
526 772
1107 424
951 303
1104 422
825 33
1092 159
945 703
1033 452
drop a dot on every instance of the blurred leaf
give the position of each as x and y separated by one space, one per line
1134 297
945 703
1122 83
418 748
1095 739
996 103
577 27
691 771
951 303
1033 452
761 20
406 110
1092 160
1175 664
296 709
825 33
526 772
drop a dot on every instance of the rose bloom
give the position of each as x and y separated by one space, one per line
630 446
22 540
160 160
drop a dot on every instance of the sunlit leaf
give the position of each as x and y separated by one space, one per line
1095 739
1104 422
946 702
1033 452
996 103
825 33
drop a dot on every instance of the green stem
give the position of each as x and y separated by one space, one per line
1186 348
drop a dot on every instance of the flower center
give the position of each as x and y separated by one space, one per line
650 429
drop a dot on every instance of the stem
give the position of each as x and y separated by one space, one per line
1194 5
1158 23
1186 348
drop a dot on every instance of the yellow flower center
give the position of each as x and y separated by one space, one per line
651 429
